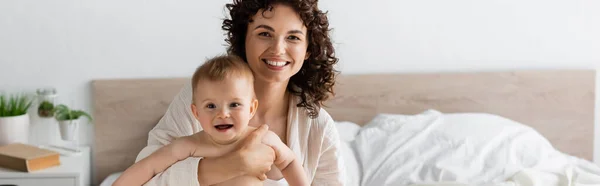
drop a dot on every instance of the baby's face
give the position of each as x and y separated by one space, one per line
224 108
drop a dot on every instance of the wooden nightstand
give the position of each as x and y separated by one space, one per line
73 171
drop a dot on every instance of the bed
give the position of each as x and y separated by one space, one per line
556 104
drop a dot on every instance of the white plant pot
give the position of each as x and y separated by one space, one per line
14 129
68 129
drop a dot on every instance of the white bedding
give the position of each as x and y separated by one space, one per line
463 149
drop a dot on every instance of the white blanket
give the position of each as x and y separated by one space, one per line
463 149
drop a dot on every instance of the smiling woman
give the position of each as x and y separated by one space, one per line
294 32
279 50
287 46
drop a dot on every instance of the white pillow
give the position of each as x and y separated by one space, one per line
352 165
347 130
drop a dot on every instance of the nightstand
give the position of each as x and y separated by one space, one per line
73 171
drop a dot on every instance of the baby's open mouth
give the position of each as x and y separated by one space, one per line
223 126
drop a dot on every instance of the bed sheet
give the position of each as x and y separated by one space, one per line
472 148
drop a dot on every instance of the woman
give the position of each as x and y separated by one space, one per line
287 46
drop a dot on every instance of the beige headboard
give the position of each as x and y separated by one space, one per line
558 103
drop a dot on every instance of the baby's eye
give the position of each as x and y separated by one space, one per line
211 106
235 105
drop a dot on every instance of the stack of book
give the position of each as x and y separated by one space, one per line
27 158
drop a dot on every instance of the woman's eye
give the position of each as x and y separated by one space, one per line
235 105
211 106
266 34
293 38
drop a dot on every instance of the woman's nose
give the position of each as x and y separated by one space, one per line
278 46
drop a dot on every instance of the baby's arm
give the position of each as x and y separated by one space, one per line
286 161
182 148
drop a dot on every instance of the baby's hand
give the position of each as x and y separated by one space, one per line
283 154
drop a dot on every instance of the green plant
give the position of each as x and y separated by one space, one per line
62 113
45 109
15 105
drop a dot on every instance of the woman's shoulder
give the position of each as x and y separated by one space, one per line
324 117
324 127
323 121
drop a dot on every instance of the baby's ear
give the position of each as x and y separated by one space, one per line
194 110
253 107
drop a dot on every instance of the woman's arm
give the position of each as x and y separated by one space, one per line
330 169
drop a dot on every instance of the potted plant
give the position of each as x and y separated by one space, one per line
46 97
45 109
68 121
14 119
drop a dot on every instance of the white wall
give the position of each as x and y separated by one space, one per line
136 39
67 43
432 35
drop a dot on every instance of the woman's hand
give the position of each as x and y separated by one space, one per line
250 158
253 157
283 154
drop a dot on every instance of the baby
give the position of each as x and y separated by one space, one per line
223 102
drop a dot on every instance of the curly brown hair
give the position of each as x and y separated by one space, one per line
315 80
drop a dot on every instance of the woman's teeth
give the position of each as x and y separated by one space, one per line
277 63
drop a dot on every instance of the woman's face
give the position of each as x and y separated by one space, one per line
276 44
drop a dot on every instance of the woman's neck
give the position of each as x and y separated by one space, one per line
272 100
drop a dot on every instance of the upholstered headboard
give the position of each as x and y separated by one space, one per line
558 103
125 110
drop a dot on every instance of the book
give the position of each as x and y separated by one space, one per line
27 158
